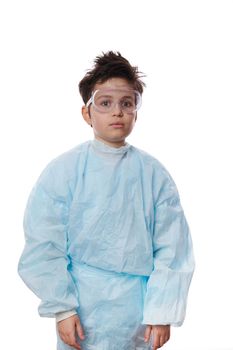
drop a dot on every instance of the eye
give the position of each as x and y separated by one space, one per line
105 103
126 103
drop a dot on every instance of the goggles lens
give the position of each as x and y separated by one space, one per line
105 100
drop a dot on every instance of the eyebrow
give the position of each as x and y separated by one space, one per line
104 96
125 96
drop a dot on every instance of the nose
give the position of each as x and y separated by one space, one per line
117 110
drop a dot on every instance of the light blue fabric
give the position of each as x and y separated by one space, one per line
106 235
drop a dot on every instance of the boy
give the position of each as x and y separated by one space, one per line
108 249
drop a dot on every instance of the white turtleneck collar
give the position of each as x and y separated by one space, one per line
105 148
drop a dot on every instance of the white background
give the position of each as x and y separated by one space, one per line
186 50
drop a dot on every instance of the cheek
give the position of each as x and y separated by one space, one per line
131 123
99 121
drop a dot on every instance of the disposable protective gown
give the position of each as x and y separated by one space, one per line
106 235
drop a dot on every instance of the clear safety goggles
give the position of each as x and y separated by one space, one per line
105 100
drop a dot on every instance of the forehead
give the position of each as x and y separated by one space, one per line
114 93
114 83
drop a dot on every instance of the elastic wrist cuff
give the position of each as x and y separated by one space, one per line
63 315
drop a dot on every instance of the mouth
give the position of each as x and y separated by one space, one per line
117 124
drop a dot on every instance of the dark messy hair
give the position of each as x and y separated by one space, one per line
110 65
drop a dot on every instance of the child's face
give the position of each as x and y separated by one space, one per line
102 121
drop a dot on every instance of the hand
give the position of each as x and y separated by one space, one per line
160 335
68 329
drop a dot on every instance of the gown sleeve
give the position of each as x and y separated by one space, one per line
168 284
44 263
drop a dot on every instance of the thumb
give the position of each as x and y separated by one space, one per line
147 333
79 330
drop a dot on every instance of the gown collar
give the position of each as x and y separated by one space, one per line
104 148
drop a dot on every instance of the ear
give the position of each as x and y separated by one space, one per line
86 115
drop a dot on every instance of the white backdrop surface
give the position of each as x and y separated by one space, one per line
186 50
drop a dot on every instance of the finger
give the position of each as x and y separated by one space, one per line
166 336
75 345
169 333
64 338
162 341
79 330
147 333
156 341
72 342
69 339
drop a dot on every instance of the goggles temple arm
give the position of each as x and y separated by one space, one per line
89 102
91 98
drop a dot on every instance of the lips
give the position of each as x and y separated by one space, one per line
117 123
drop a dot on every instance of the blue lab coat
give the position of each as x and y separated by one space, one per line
106 235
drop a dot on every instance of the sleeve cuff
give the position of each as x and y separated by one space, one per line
63 315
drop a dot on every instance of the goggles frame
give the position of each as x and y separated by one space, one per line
92 100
